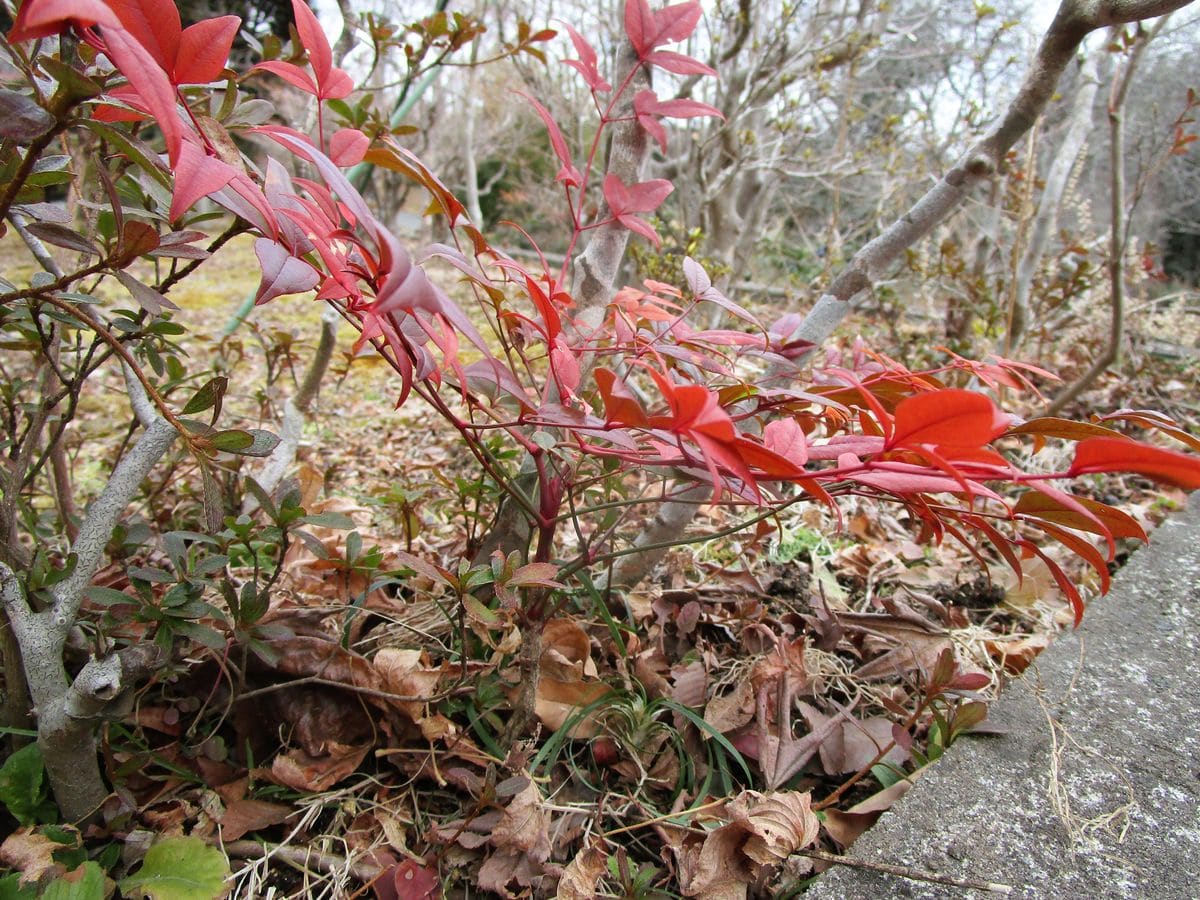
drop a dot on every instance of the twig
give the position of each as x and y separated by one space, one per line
369 692
328 863
991 887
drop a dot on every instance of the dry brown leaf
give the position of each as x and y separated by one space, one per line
521 838
1016 654
579 878
763 830
731 711
908 641
243 816
690 684
297 770
557 701
779 824
524 825
847 827
566 651
786 659
29 853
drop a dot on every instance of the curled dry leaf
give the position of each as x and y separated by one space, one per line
562 687
521 839
1016 654
579 878
763 830
29 853
301 772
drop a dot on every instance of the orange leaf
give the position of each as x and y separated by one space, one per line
951 418
620 405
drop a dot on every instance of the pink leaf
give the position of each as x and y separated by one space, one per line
197 175
565 365
568 174
42 18
647 30
586 64
282 273
348 146
647 102
292 74
204 50
640 226
786 437
152 23
678 63
643 197
337 85
151 83
312 36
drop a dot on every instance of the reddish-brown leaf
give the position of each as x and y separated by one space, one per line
951 418
1102 454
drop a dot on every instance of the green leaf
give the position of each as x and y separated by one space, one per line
232 441
12 889
208 396
23 789
180 868
329 520
84 883
263 443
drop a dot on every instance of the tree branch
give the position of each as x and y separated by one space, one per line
1076 19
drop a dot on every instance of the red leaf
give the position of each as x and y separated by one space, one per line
694 408
586 64
42 18
1102 454
282 273
952 418
1082 549
348 146
197 175
151 83
312 36
408 881
620 406
678 63
647 30
1098 519
568 174
152 23
204 50
290 73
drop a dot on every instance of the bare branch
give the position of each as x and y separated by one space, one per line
1076 19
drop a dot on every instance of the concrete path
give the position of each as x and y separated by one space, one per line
1095 790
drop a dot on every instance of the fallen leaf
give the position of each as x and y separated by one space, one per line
762 831
1016 654
408 880
29 853
579 878
244 816
297 770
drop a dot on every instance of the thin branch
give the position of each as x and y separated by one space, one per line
991 887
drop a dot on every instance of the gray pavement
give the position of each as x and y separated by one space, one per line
1104 802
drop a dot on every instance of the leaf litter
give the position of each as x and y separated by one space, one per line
757 699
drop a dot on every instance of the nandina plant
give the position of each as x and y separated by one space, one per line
613 395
